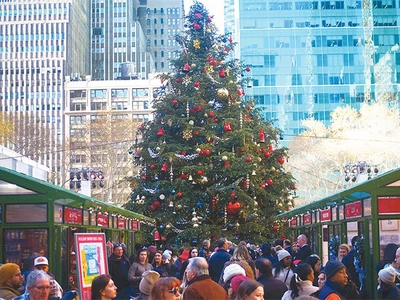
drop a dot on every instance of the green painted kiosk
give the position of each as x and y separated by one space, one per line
369 211
39 217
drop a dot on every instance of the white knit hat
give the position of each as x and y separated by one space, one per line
282 254
233 270
387 275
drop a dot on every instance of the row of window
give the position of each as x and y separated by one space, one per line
122 105
32 37
170 11
313 5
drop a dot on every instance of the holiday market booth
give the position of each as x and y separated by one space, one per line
38 217
369 211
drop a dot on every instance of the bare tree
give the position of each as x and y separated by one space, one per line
102 144
319 155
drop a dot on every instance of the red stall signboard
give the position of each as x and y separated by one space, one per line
325 215
293 222
135 225
354 210
121 223
73 215
307 219
91 260
102 220
389 205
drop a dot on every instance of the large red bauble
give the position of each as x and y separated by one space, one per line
281 160
199 172
267 154
207 151
233 208
211 114
269 181
179 194
249 159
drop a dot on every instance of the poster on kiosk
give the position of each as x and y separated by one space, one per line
91 260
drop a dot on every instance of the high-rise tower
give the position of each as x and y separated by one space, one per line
40 43
309 57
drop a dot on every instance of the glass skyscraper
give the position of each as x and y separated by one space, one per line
309 57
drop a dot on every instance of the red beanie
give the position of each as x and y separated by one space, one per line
236 281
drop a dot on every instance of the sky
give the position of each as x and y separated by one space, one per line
215 7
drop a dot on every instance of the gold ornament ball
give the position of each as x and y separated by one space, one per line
179 207
158 148
205 115
193 66
224 158
222 94
198 150
258 159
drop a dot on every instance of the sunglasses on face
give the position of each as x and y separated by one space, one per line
174 290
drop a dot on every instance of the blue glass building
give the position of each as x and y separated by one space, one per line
309 57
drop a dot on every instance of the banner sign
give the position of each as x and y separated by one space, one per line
91 260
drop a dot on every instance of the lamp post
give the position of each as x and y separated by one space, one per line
359 172
85 179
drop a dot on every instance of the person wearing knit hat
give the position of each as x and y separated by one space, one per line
282 254
387 275
235 283
10 280
284 269
336 279
231 271
387 288
146 284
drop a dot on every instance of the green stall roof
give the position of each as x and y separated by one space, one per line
15 184
357 192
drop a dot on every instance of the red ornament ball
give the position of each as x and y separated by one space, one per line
196 84
179 194
248 69
174 102
249 159
199 172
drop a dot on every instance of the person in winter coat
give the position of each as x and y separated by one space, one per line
137 269
284 270
387 284
301 283
336 280
118 267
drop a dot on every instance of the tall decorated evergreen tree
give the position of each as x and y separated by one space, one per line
209 165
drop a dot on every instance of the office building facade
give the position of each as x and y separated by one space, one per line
102 120
40 43
309 57
161 21
133 35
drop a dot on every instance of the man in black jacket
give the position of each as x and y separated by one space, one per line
304 250
218 259
273 288
118 267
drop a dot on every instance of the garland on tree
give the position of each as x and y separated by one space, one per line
359 259
213 166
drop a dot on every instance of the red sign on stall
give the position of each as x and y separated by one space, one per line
325 215
354 209
121 223
135 225
388 205
293 222
102 220
73 215
307 219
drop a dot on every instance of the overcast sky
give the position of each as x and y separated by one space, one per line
215 7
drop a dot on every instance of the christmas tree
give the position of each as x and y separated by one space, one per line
210 166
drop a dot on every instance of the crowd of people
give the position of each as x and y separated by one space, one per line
277 270
273 270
